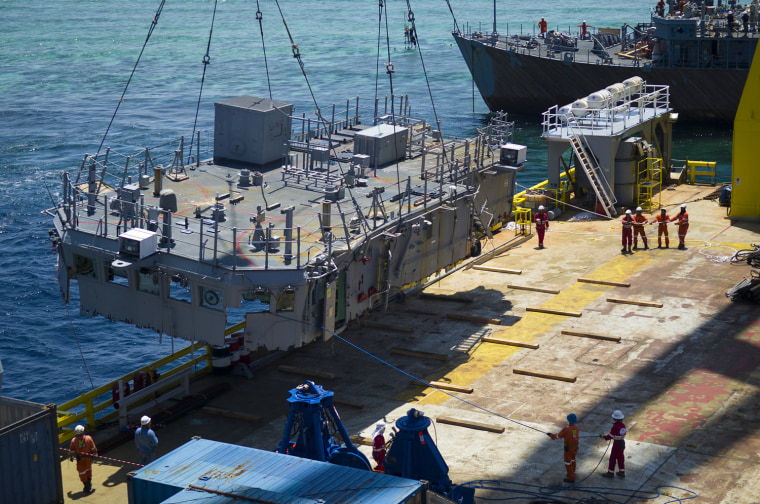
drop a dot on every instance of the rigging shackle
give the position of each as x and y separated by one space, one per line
389 67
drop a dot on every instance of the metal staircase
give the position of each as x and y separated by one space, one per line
590 165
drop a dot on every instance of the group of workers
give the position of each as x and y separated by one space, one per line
83 448
570 434
542 26
633 227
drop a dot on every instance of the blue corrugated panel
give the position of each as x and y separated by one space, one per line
230 468
234 495
30 470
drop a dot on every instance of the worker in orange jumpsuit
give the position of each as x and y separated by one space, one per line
627 232
542 224
617 435
542 27
662 227
683 226
378 446
570 434
584 29
660 9
83 448
638 229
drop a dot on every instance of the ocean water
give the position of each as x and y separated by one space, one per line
65 65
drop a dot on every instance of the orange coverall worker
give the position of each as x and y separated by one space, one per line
542 27
83 447
683 226
570 434
662 228
638 229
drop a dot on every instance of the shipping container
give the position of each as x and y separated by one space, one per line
29 455
221 471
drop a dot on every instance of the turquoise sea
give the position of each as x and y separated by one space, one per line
65 64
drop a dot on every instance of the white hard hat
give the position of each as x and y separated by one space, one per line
628 211
618 415
79 429
638 209
145 420
540 207
683 205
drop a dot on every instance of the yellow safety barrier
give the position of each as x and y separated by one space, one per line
691 165
100 398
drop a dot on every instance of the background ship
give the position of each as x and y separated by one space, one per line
703 59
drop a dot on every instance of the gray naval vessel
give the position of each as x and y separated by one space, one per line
279 226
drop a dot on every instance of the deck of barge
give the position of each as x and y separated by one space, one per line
687 375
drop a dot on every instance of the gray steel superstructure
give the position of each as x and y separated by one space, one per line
296 225
703 60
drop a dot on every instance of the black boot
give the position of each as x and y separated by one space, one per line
88 486
646 246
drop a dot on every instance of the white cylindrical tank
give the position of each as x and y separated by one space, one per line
580 107
565 109
599 99
617 91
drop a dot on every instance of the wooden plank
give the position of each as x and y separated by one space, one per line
305 372
345 402
489 339
553 312
634 302
591 335
231 414
539 374
359 440
537 289
604 282
418 353
472 318
498 270
457 298
388 327
452 387
469 424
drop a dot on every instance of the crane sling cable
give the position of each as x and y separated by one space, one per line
206 62
389 70
427 384
259 17
134 68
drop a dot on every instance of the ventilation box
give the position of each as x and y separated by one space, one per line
251 130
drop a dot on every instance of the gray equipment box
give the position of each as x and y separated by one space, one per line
251 130
384 143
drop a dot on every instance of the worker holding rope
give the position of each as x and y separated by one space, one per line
638 229
83 448
617 435
683 227
662 227
570 434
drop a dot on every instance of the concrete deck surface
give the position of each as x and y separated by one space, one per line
686 375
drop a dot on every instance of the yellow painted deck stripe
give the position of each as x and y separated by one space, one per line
532 325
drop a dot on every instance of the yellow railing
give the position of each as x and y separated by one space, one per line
521 197
100 398
691 165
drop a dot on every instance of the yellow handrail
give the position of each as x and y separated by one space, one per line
88 400
701 164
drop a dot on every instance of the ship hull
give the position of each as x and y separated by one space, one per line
527 84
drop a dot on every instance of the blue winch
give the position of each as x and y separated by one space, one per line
414 455
314 429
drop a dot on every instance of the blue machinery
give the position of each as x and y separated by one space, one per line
314 431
